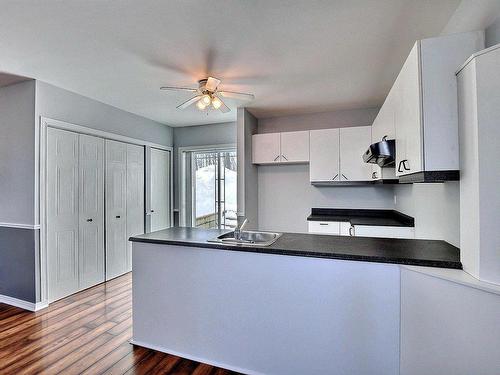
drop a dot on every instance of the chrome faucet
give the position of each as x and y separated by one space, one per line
239 226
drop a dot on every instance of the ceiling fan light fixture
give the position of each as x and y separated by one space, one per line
201 105
206 99
216 102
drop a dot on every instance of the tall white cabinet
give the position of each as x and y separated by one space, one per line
95 202
75 212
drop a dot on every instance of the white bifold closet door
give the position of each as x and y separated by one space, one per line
160 189
124 203
135 195
75 225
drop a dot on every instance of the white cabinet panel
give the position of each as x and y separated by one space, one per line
116 209
295 147
160 189
384 231
324 155
346 229
62 213
91 215
266 148
324 227
353 143
135 195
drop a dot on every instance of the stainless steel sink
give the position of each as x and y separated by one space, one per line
247 238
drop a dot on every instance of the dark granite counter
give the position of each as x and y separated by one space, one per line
383 250
390 218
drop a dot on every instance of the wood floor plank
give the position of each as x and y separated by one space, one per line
86 333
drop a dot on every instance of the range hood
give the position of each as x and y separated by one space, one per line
382 153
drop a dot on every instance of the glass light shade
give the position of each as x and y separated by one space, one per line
206 99
201 105
216 102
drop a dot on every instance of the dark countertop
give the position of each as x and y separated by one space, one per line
383 250
390 218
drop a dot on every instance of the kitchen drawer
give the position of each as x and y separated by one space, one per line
324 227
381 231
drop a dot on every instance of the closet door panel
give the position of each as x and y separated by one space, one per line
116 208
62 213
135 195
91 222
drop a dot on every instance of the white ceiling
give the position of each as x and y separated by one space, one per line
295 56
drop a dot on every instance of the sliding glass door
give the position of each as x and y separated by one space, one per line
213 188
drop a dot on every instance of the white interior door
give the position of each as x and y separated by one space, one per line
160 189
91 211
116 209
135 195
62 213
353 144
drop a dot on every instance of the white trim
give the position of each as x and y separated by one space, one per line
477 54
41 170
21 226
181 174
30 306
194 358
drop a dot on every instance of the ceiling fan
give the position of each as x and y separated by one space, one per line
208 95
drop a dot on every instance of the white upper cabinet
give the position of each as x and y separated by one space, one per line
266 148
425 107
324 155
274 148
295 147
353 143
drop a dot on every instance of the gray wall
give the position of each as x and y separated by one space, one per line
285 195
17 153
248 187
67 106
493 33
202 135
435 207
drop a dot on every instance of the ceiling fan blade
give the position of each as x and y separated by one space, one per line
236 95
223 107
188 102
178 88
212 84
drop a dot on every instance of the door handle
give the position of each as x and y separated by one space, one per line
118 216
89 220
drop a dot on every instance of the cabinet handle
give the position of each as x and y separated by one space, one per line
284 157
276 158
89 220
351 231
374 175
399 166
323 223
334 177
343 175
117 216
404 165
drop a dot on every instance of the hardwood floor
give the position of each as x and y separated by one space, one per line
86 333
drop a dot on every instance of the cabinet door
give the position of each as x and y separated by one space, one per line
324 155
116 209
160 189
135 195
266 148
91 215
295 147
353 143
62 213
346 229
383 231
384 126
408 117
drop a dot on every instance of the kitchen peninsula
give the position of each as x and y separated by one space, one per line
305 303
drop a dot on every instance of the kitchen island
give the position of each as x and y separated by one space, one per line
306 304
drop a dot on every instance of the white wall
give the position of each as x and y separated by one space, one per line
17 153
286 197
492 33
435 207
285 194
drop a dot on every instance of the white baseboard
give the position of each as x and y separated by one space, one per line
20 226
30 306
194 358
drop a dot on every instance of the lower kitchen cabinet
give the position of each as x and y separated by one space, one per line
344 228
337 228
